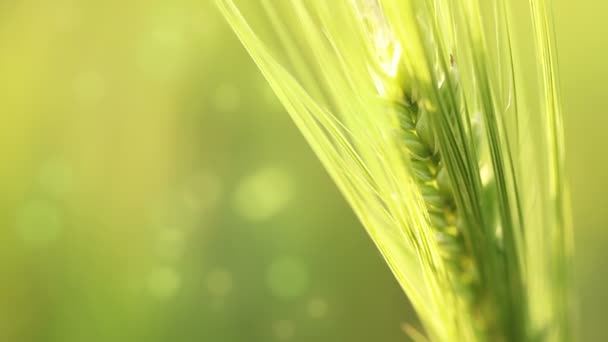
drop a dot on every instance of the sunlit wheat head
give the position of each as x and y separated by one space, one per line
440 123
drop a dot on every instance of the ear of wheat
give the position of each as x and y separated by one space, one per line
440 123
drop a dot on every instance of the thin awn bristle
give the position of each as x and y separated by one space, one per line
449 179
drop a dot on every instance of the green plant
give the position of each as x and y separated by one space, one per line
440 123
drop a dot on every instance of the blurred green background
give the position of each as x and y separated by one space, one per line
153 189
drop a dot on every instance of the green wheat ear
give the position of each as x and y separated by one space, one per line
440 123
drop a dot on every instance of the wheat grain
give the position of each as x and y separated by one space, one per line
431 177
451 185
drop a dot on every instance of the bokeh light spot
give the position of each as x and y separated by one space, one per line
287 278
39 222
219 282
283 330
170 243
163 283
263 194
163 50
56 178
317 308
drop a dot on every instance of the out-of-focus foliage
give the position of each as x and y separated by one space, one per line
153 189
